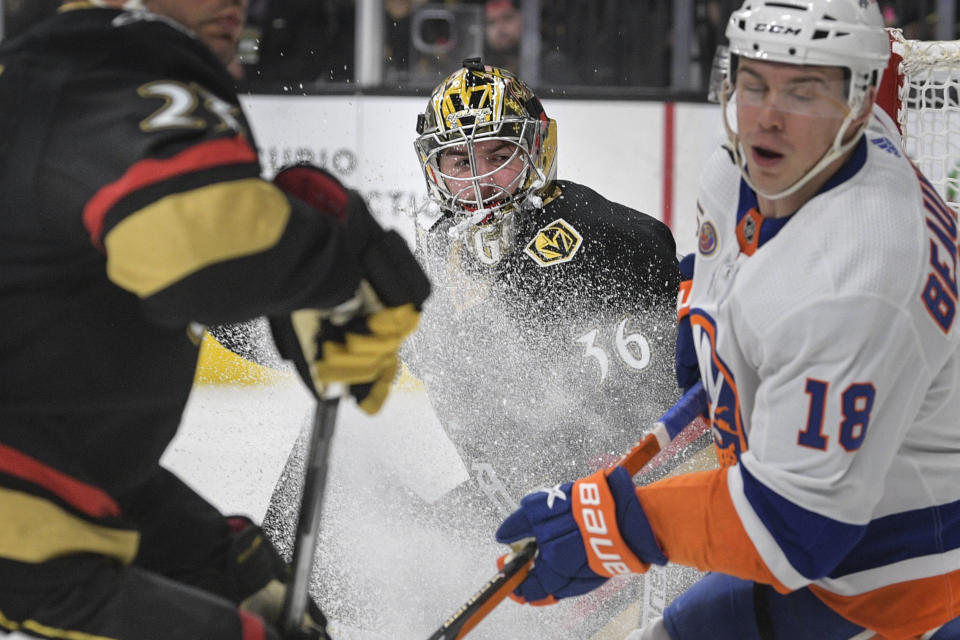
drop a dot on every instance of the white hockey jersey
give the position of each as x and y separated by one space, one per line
828 345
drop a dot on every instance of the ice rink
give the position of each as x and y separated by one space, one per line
390 575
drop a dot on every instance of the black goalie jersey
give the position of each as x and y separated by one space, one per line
547 359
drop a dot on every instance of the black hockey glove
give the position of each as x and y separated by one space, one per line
687 366
356 343
259 576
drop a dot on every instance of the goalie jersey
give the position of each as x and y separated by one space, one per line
562 346
828 345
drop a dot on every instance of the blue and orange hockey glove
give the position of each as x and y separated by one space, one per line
586 531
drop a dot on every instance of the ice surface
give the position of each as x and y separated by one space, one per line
403 578
381 569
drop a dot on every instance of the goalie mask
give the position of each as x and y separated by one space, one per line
835 33
488 151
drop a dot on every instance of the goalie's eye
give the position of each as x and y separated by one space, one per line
455 162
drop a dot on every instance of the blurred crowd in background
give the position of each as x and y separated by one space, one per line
653 48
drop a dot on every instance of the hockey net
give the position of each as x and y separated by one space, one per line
925 103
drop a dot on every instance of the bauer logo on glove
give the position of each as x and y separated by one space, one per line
586 531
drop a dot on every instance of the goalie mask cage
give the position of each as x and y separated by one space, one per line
925 104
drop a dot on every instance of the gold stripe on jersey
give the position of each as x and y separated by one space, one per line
182 233
36 530
77 4
47 631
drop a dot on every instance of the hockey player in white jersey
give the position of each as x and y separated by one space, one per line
823 315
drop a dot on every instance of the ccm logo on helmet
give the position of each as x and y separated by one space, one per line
596 533
777 28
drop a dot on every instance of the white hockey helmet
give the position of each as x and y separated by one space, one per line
835 33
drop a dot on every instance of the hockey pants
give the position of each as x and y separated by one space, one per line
103 600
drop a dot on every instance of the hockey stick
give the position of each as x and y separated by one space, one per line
489 596
311 502
679 426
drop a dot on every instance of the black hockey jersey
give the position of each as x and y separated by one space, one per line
550 362
132 207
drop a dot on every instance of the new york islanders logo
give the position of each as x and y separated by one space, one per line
707 240
729 435
555 243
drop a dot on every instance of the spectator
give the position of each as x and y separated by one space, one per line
307 41
504 31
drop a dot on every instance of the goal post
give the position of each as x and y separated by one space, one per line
921 92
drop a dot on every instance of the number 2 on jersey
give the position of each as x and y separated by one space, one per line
856 404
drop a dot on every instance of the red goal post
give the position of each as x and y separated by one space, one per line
921 93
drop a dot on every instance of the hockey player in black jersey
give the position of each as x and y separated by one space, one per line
550 342
133 209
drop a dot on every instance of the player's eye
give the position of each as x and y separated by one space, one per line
803 94
457 164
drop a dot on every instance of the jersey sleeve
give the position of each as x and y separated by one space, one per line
175 202
826 420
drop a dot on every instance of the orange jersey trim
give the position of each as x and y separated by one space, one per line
683 299
206 155
696 524
721 418
903 610
748 232
86 498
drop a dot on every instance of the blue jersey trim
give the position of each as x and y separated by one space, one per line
686 266
900 536
748 201
813 544
849 168
817 546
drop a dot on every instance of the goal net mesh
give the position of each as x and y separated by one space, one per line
929 110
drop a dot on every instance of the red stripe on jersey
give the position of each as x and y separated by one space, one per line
84 497
206 155
251 626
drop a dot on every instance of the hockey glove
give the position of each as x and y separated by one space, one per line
687 368
259 576
586 532
357 343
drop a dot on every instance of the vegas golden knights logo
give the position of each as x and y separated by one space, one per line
555 243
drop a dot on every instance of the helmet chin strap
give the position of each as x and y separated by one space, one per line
836 149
